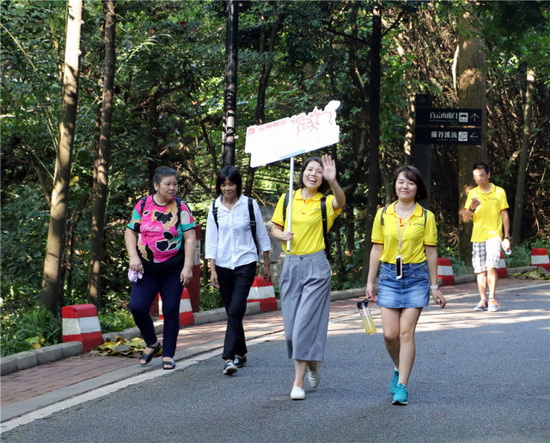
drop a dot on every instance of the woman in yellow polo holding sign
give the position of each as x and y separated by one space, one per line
404 237
305 279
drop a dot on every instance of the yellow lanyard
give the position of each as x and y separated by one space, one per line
400 233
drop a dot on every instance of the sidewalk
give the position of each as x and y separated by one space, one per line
30 389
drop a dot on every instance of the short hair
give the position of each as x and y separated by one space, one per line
234 176
164 171
414 175
481 165
324 187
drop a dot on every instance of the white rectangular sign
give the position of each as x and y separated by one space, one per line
292 136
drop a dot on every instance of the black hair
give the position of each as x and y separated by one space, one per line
164 171
414 175
481 165
324 187
234 176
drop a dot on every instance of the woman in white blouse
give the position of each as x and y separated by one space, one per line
233 256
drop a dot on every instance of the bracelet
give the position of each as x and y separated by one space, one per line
471 210
434 287
506 238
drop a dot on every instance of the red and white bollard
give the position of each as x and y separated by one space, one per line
445 271
264 294
539 257
80 323
502 272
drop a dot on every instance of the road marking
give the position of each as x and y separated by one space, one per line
109 389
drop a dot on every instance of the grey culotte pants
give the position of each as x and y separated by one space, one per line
305 302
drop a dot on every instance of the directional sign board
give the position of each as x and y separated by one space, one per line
292 136
447 136
448 116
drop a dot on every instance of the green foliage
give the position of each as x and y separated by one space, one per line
168 109
24 224
115 316
349 276
453 253
521 254
30 329
115 321
210 298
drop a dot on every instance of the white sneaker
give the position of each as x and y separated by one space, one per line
297 393
314 377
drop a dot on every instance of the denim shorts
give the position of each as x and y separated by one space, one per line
411 291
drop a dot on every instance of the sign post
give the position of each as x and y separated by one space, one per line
291 136
448 116
422 149
448 136
448 126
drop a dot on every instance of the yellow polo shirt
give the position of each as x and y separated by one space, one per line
307 222
487 217
417 234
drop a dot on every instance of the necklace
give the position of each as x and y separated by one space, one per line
404 213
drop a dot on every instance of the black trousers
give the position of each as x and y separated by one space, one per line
234 287
143 294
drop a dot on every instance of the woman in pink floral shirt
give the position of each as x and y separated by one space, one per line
160 240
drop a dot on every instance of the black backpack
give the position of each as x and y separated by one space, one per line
251 215
323 220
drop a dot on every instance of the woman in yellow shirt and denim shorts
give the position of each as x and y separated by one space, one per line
404 238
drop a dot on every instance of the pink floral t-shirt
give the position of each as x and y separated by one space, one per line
160 231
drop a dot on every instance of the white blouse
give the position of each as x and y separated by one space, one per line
232 244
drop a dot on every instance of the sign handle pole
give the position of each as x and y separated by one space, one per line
290 198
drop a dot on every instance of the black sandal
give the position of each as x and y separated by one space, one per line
147 357
166 364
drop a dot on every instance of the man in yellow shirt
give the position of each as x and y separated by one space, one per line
487 206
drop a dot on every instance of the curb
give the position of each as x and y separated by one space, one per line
48 354
28 359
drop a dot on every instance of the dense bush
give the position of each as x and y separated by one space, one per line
24 330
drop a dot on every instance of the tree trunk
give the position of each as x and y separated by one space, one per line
231 58
101 165
524 156
471 94
265 73
373 179
52 285
153 121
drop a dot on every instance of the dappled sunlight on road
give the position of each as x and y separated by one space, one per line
458 320
459 313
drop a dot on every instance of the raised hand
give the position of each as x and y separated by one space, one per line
329 168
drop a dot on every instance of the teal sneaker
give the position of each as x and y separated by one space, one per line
401 396
493 305
394 381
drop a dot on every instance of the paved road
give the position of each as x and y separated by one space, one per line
479 377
